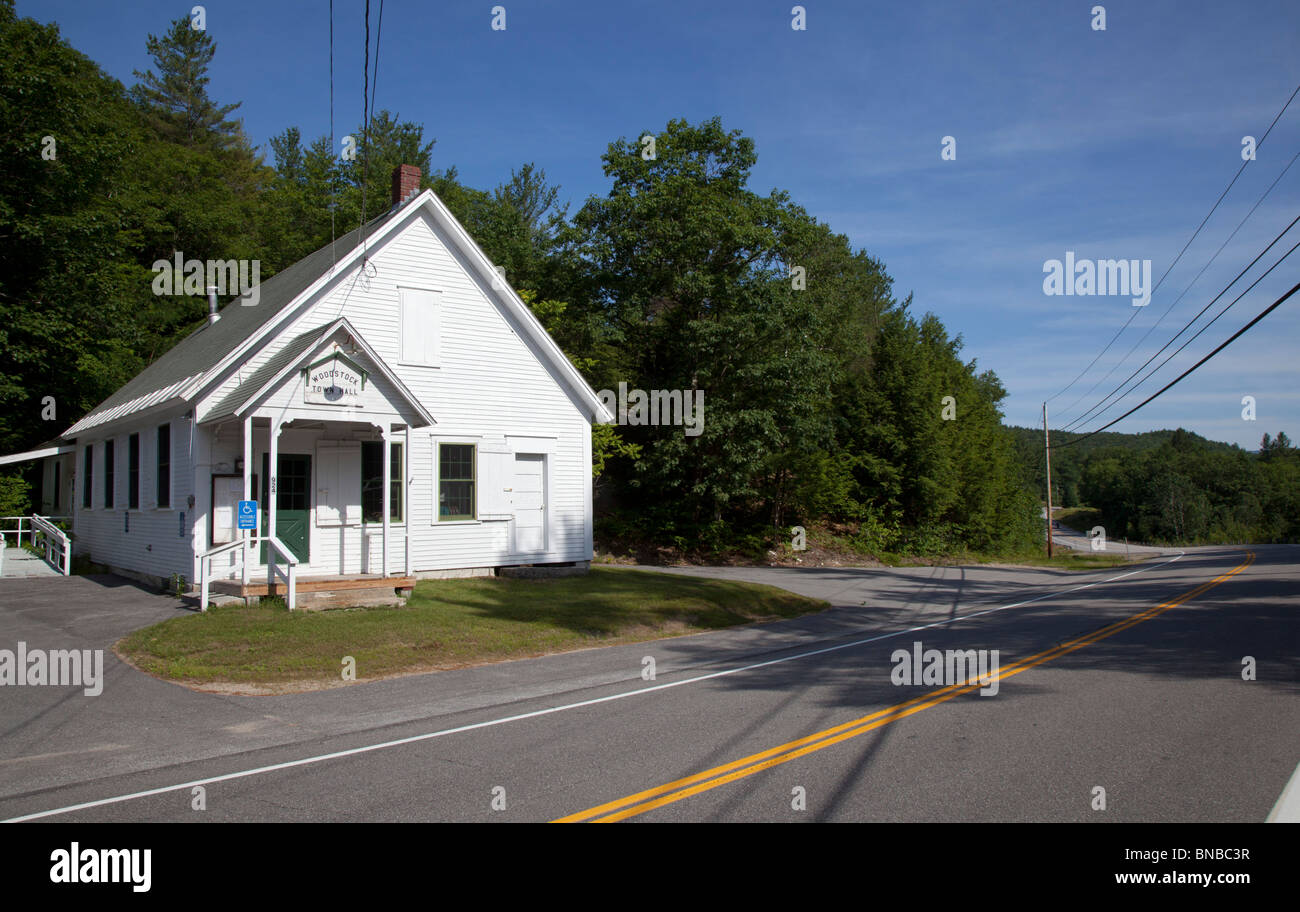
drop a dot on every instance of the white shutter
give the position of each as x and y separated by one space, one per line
349 482
419 329
327 484
495 470
338 483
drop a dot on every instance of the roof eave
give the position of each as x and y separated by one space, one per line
81 428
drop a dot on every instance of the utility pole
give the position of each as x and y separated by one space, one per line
1047 446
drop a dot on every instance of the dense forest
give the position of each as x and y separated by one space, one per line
1173 487
1071 458
827 399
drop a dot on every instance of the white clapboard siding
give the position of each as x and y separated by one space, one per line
488 383
151 540
444 333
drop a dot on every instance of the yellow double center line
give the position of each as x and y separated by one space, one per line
648 800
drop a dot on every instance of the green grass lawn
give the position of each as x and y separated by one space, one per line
1065 559
447 624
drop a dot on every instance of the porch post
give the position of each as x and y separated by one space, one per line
388 493
406 496
248 489
272 475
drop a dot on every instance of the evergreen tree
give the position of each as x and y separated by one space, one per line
200 181
175 97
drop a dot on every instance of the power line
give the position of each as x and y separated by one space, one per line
367 106
1078 421
379 33
1173 354
333 182
1173 304
1133 315
1264 313
365 131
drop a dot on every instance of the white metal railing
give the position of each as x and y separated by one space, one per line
56 542
23 521
245 547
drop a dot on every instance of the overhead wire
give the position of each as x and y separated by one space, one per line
333 199
1172 305
367 107
1195 233
1193 338
1080 420
1264 313
365 130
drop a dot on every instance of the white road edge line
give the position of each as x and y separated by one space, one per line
1287 809
305 761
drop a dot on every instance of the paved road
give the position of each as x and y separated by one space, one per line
1076 540
737 725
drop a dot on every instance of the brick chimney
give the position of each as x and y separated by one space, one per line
406 183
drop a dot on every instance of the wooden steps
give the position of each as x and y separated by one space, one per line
305 585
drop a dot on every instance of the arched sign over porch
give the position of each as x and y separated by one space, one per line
334 380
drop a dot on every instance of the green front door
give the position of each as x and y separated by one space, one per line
292 503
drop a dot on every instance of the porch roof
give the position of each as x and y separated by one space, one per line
37 454
295 355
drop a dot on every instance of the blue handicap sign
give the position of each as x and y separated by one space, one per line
247 514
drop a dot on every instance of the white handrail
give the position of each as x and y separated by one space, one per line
55 540
205 567
290 575
221 549
18 533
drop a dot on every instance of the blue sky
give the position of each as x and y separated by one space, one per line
1111 144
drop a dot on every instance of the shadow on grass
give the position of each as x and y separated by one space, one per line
606 602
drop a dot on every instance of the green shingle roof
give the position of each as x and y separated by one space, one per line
208 345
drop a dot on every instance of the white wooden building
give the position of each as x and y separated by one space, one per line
390 403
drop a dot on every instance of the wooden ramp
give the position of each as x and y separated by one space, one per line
19 563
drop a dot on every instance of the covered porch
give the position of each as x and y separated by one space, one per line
334 493
48 530
319 440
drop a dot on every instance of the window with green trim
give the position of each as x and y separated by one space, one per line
87 492
133 472
455 481
110 469
163 477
